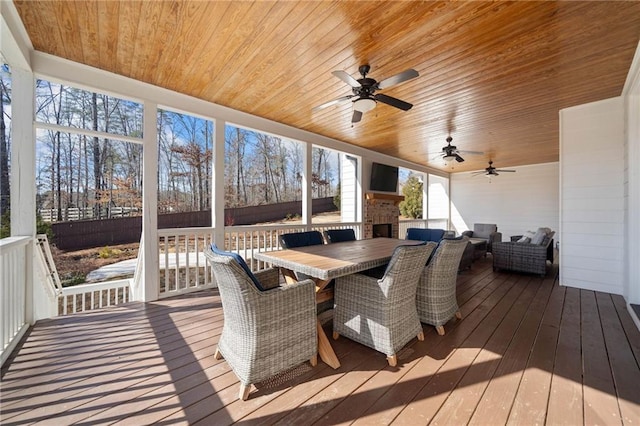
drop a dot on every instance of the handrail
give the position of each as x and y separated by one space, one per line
10 243
14 261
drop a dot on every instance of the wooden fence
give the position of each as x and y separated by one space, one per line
79 234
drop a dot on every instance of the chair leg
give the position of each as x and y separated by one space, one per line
458 315
440 330
393 360
314 360
244 391
336 335
421 336
217 355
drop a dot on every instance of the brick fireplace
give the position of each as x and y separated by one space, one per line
381 209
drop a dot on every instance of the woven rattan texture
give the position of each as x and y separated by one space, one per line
436 296
264 332
382 313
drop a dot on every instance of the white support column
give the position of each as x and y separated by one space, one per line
217 186
307 193
425 196
23 175
23 154
149 284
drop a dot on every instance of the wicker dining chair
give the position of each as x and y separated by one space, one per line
381 313
339 235
267 329
436 296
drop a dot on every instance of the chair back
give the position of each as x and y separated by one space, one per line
401 277
484 230
424 234
443 265
238 291
301 239
339 235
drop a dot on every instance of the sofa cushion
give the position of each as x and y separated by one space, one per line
422 234
526 237
539 236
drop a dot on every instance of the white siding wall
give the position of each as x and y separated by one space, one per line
632 182
592 196
348 188
516 202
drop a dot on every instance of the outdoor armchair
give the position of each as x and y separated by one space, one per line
301 239
267 328
381 313
436 295
485 231
520 255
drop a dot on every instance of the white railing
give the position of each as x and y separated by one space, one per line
56 300
245 240
183 267
14 255
85 297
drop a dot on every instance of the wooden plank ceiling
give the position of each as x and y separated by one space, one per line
492 75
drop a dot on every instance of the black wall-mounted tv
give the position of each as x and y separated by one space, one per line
383 178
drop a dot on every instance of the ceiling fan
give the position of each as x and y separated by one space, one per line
451 152
491 171
364 97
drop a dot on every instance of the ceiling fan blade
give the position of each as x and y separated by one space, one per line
346 77
471 152
459 159
357 116
333 102
502 170
478 173
394 102
398 78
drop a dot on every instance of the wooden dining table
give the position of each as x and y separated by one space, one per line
328 261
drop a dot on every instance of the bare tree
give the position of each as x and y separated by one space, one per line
5 97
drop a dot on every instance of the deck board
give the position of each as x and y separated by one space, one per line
526 351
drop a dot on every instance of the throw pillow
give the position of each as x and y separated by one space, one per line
526 237
538 238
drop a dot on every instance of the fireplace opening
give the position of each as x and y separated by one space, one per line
382 230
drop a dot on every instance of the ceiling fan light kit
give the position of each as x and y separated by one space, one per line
364 104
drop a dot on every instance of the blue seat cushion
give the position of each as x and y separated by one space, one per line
301 239
340 235
422 234
241 262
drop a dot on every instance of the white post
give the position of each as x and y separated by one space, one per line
217 186
23 174
425 198
150 277
307 193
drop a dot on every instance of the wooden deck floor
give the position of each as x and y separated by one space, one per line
527 351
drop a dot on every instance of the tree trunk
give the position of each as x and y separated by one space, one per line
5 188
97 161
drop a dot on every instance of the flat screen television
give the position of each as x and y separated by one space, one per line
383 178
